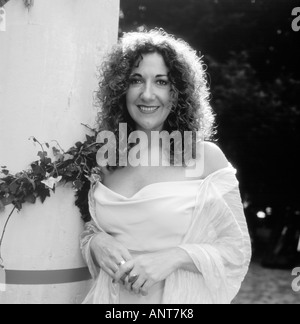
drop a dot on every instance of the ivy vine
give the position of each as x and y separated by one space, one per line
77 166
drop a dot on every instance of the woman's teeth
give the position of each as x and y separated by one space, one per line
148 109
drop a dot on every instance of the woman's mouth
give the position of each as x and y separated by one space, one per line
148 109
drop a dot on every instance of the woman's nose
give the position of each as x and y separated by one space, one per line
148 93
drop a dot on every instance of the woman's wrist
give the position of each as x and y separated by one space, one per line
92 246
181 258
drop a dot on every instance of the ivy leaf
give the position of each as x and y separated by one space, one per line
79 161
42 155
89 139
31 181
71 168
57 154
6 172
3 188
4 167
18 204
43 193
78 144
55 151
51 182
68 174
31 199
2 207
37 170
77 185
47 161
13 187
68 157
93 149
8 200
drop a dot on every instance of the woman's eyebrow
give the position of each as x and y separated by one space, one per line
136 75
140 76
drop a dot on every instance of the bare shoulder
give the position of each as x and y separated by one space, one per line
214 158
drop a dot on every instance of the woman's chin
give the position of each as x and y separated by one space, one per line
148 127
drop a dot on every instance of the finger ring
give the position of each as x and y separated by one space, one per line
121 263
133 278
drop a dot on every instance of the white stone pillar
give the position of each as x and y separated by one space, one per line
48 61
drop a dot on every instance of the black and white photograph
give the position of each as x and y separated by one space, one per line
149 154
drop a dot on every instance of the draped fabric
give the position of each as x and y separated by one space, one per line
216 239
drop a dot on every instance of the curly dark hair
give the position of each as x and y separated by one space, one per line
187 75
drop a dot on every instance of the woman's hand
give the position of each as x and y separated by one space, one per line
108 253
149 269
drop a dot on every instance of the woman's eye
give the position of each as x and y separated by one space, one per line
135 81
162 82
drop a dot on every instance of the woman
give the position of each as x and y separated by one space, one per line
158 234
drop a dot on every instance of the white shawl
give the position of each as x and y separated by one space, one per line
217 241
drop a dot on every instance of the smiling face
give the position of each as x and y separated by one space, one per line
148 98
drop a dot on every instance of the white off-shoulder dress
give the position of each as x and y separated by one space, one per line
203 217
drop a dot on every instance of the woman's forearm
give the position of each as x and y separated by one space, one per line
184 261
95 241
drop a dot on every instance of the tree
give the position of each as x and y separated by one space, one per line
217 27
258 124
